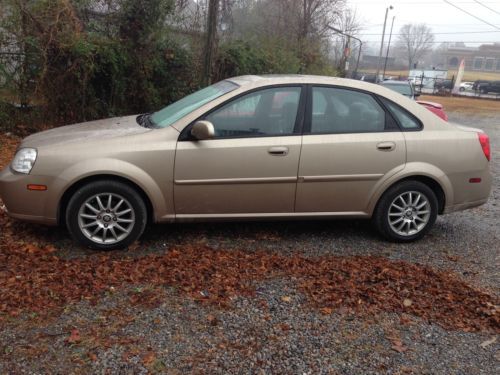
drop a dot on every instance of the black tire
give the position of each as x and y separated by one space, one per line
461 89
86 192
381 214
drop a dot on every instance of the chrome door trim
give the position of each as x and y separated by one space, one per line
341 177
231 181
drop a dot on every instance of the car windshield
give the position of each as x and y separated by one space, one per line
402 89
175 111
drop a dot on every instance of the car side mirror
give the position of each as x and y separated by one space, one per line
202 130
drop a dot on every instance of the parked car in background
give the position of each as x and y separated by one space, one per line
443 85
489 87
478 83
252 148
407 89
466 86
368 77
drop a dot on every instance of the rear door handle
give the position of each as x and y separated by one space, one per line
278 151
386 146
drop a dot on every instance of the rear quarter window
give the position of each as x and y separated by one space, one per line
405 119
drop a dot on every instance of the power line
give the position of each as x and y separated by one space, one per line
487 7
431 2
470 14
451 32
447 41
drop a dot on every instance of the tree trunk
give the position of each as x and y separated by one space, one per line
210 42
24 76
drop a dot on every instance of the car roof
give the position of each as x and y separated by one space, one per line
393 82
253 81
270 79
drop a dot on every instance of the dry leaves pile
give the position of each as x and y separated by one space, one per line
8 145
33 278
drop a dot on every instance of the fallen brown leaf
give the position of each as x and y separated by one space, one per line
148 358
326 310
74 337
398 346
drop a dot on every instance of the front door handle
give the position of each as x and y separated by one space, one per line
278 151
386 146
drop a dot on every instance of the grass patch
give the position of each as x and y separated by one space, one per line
466 105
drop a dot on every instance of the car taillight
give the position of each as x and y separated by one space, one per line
484 140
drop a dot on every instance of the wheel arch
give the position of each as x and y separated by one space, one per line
71 189
429 181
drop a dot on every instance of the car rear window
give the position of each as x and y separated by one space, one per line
404 118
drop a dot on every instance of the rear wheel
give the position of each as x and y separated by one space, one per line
106 215
406 212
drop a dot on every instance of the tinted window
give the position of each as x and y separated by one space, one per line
265 112
405 119
345 111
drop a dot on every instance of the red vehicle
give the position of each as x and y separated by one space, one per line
435 108
406 88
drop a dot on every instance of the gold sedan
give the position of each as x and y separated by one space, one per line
256 148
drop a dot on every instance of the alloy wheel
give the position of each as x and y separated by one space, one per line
106 218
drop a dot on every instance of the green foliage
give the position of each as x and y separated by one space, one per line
77 60
241 57
270 56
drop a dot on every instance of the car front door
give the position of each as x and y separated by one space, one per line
250 166
349 145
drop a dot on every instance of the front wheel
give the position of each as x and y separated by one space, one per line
106 215
406 212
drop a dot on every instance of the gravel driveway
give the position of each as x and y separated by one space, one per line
276 330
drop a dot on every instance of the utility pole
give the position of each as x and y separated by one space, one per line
382 44
210 41
388 46
359 50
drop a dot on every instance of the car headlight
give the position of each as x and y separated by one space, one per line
24 160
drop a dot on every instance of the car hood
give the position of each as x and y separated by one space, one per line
85 131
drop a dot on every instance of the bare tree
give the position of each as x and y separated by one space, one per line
350 24
415 40
317 14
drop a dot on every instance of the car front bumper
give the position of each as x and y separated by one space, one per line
27 205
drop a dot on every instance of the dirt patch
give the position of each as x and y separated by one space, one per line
465 105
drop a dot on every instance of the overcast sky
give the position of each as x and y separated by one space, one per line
437 14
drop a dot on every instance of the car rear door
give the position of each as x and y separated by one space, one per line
350 144
250 166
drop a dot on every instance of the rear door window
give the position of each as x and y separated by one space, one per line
336 110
